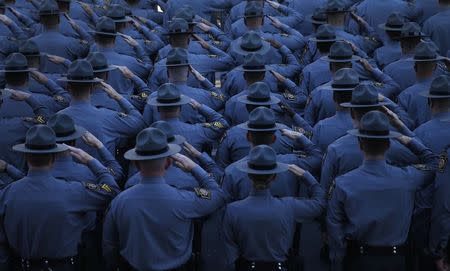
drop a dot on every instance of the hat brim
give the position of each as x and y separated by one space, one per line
65 79
103 33
337 11
245 127
427 94
387 28
322 40
27 55
178 140
338 89
183 100
124 20
350 105
243 166
236 47
109 68
16 71
178 33
134 156
272 100
79 132
327 58
392 134
240 68
23 149
412 59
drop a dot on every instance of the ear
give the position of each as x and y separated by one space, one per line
168 163
272 177
274 138
361 147
137 165
249 136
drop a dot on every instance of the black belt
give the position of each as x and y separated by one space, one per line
360 249
261 266
125 266
46 263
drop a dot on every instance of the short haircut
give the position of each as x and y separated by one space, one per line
16 78
254 76
374 147
264 178
335 66
261 138
49 20
40 160
342 96
359 112
104 39
324 47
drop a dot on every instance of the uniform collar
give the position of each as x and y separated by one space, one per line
38 173
23 88
80 103
442 115
64 159
152 180
172 120
104 49
260 193
374 163
343 114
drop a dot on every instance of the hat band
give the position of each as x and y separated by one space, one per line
249 67
40 147
109 31
117 18
258 99
176 62
65 133
253 15
261 167
340 57
261 126
81 78
171 138
178 31
344 85
21 68
152 152
439 93
432 58
96 68
399 26
375 133
168 101
368 103
251 49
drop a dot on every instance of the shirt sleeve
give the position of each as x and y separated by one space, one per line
110 240
231 245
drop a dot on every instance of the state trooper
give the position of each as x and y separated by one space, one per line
328 130
110 127
343 154
435 132
437 27
391 50
51 41
179 36
425 64
15 128
178 69
105 35
321 105
307 27
237 11
17 74
353 246
9 173
170 104
127 245
175 175
144 9
10 28
55 249
251 247
254 70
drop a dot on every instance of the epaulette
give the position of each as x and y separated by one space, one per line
217 96
443 161
36 120
213 56
122 114
97 187
308 134
202 193
289 96
378 84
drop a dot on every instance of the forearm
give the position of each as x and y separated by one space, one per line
210 114
203 179
13 172
210 166
425 155
103 176
110 163
38 109
125 105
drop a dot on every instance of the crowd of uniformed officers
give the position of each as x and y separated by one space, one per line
224 135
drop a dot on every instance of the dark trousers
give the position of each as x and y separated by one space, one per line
375 263
125 266
44 265
244 265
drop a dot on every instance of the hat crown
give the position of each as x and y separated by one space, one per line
178 25
346 77
320 15
40 137
254 60
62 125
336 5
262 157
97 60
325 32
251 41
261 117
106 24
374 123
186 13
151 141
425 50
16 61
395 20
168 93
341 50
80 70
440 86
165 128
253 9
49 7
116 12
177 56
365 94
29 47
258 91
411 29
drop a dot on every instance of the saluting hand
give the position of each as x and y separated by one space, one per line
191 150
278 76
5 19
274 4
87 8
204 27
18 95
128 39
365 63
56 59
82 156
296 170
197 75
275 22
72 23
3 166
393 118
196 105
92 141
112 93
291 134
125 71
183 162
287 109
202 42
38 76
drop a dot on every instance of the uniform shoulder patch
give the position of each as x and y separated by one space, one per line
308 134
443 161
36 120
288 96
96 187
213 56
218 124
59 99
378 84
218 96
202 193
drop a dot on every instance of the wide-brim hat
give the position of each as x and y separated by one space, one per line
275 127
183 100
315 39
351 105
18 70
339 88
427 94
358 133
244 166
391 28
103 33
439 88
271 101
104 69
339 60
79 132
236 47
251 69
81 80
435 58
133 155
23 148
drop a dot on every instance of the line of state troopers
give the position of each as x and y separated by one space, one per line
224 135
